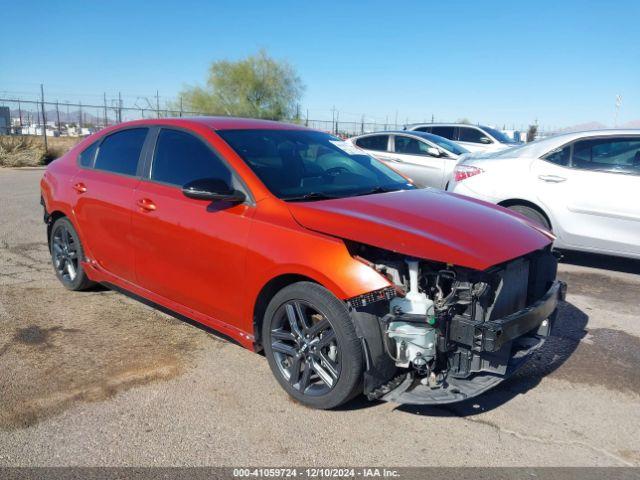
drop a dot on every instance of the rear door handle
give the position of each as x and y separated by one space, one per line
80 187
146 205
551 178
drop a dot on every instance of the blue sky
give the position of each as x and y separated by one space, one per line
561 62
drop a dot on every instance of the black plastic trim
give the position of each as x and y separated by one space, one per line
492 335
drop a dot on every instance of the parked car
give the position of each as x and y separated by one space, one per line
426 159
475 138
583 186
291 241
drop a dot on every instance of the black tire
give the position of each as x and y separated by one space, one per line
532 214
331 361
67 256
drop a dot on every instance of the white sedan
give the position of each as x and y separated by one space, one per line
583 186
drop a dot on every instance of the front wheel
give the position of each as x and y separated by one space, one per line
312 347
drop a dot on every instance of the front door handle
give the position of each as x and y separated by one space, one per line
80 187
146 205
551 178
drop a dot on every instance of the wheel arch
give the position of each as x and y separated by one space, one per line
526 203
51 218
265 295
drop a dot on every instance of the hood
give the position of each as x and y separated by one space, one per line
428 224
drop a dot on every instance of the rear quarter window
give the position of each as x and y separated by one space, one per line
87 156
559 156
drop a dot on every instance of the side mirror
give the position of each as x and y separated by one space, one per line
434 152
212 189
485 140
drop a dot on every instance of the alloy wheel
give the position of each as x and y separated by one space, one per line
305 348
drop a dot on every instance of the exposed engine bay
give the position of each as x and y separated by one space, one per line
447 333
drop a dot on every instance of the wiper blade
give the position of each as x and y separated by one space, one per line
310 196
376 190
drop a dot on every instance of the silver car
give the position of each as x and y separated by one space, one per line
427 159
475 138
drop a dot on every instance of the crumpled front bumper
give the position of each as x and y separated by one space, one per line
526 329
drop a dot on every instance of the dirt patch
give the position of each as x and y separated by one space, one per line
59 347
591 284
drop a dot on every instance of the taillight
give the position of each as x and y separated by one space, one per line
461 172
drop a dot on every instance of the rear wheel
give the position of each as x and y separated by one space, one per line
532 214
67 256
312 347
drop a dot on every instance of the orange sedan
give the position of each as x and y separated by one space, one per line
291 241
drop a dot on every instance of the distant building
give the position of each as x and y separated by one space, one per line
5 121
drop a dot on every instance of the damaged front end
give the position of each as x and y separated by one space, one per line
442 333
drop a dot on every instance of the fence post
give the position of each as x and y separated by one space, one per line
157 104
181 105
58 117
80 117
44 119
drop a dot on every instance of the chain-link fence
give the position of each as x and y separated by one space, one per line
37 117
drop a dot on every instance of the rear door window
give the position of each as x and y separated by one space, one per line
410 146
608 154
180 158
120 151
446 132
374 142
471 135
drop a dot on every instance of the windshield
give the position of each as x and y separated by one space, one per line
498 135
305 165
444 143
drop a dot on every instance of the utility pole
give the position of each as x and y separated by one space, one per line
20 115
618 105
157 104
44 119
119 107
333 118
104 97
337 120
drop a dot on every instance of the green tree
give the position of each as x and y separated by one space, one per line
258 86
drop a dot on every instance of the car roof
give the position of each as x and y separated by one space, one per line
540 147
412 125
220 123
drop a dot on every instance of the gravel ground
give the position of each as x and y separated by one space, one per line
97 379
